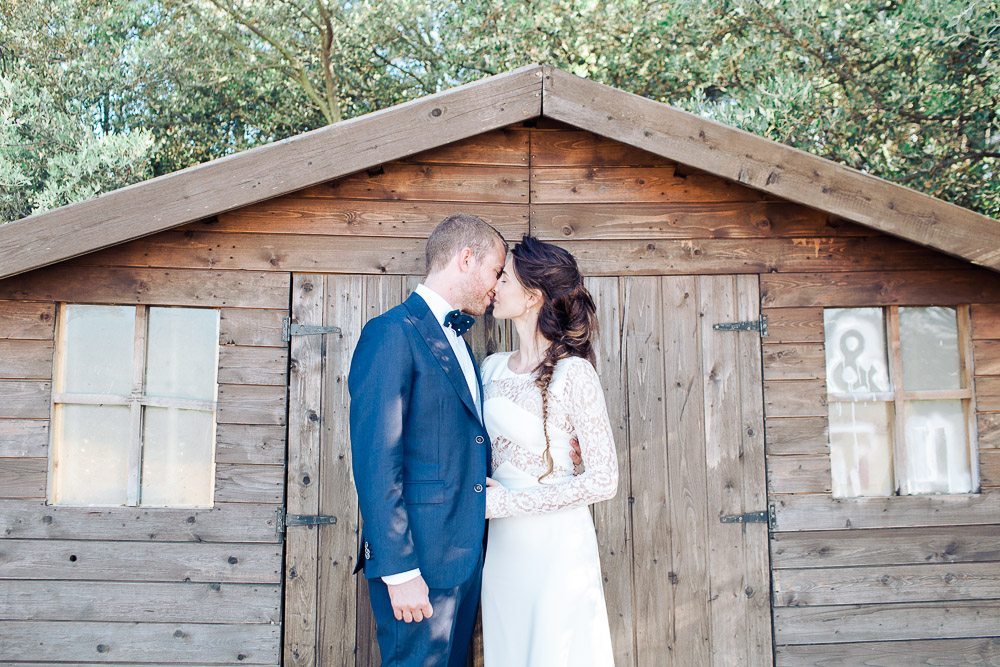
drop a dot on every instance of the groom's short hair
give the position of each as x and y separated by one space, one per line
457 231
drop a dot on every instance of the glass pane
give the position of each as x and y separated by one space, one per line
182 355
178 457
856 360
861 448
90 464
937 448
96 346
929 342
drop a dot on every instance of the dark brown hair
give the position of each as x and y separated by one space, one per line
567 319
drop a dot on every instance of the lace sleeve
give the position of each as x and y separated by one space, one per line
588 415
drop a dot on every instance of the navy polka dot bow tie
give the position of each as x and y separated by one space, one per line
459 321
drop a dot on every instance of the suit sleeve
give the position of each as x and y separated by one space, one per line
379 383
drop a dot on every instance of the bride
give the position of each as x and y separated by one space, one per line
543 600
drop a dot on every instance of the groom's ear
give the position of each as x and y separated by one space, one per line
465 257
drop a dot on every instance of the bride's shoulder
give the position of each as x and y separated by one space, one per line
575 369
493 360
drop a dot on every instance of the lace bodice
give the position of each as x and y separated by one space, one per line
513 409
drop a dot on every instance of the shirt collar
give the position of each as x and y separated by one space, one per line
437 303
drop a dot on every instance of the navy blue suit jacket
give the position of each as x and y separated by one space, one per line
420 450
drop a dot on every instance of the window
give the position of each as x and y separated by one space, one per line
899 389
133 406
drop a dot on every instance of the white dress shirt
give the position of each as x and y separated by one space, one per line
440 308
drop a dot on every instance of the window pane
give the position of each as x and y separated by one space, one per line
177 460
182 353
91 455
96 349
929 342
937 448
861 449
856 360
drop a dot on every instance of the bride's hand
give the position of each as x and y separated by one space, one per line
492 483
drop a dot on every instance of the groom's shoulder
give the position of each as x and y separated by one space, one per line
392 321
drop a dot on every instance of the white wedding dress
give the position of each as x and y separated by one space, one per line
543 598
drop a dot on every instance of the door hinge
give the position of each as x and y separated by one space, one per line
766 516
759 325
288 329
283 520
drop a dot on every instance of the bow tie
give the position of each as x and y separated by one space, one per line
459 321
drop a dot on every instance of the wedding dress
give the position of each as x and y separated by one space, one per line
543 598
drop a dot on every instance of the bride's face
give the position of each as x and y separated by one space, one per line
512 300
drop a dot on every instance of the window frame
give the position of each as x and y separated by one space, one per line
898 395
136 401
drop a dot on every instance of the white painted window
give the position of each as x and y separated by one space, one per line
133 406
899 388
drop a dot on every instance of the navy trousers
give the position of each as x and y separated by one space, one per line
439 641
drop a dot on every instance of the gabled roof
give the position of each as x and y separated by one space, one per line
352 145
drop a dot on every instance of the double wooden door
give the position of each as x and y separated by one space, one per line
682 587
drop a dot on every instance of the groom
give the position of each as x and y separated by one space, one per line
421 452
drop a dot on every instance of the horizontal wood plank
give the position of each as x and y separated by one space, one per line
250 443
142 602
25 399
244 483
793 325
26 359
797 435
880 288
986 321
799 474
199 643
27 320
101 560
506 146
23 477
895 546
571 147
251 326
988 393
253 365
885 584
71 282
929 653
426 182
989 468
794 361
592 184
821 512
795 398
986 354
226 522
251 404
989 430
24 437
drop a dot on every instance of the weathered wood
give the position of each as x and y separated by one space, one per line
795 398
26 359
226 522
797 435
24 399
890 583
242 483
989 430
572 147
506 146
895 546
652 545
593 184
799 474
612 519
794 325
988 393
251 404
358 217
989 468
985 321
794 361
987 357
199 643
864 288
771 167
142 602
821 512
930 653
140 561
249 443
24 437
423 182
251 326
77 283
253 365
27 320
885 622
270 171
23 477
304 429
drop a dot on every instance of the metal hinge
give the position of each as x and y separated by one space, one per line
288 329
767 516
748 325
283 520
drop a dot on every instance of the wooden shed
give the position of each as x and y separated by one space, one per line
802 362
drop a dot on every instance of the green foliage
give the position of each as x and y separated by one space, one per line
98 93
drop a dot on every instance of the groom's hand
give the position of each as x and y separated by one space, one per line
410 601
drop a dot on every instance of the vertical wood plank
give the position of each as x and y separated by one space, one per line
304 419
686 452
613 518
654 595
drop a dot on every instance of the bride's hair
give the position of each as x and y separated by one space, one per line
567 319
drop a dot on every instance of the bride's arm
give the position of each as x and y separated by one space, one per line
588 415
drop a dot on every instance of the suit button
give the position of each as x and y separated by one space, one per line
480 440
478 488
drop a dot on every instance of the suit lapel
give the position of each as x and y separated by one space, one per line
421 317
